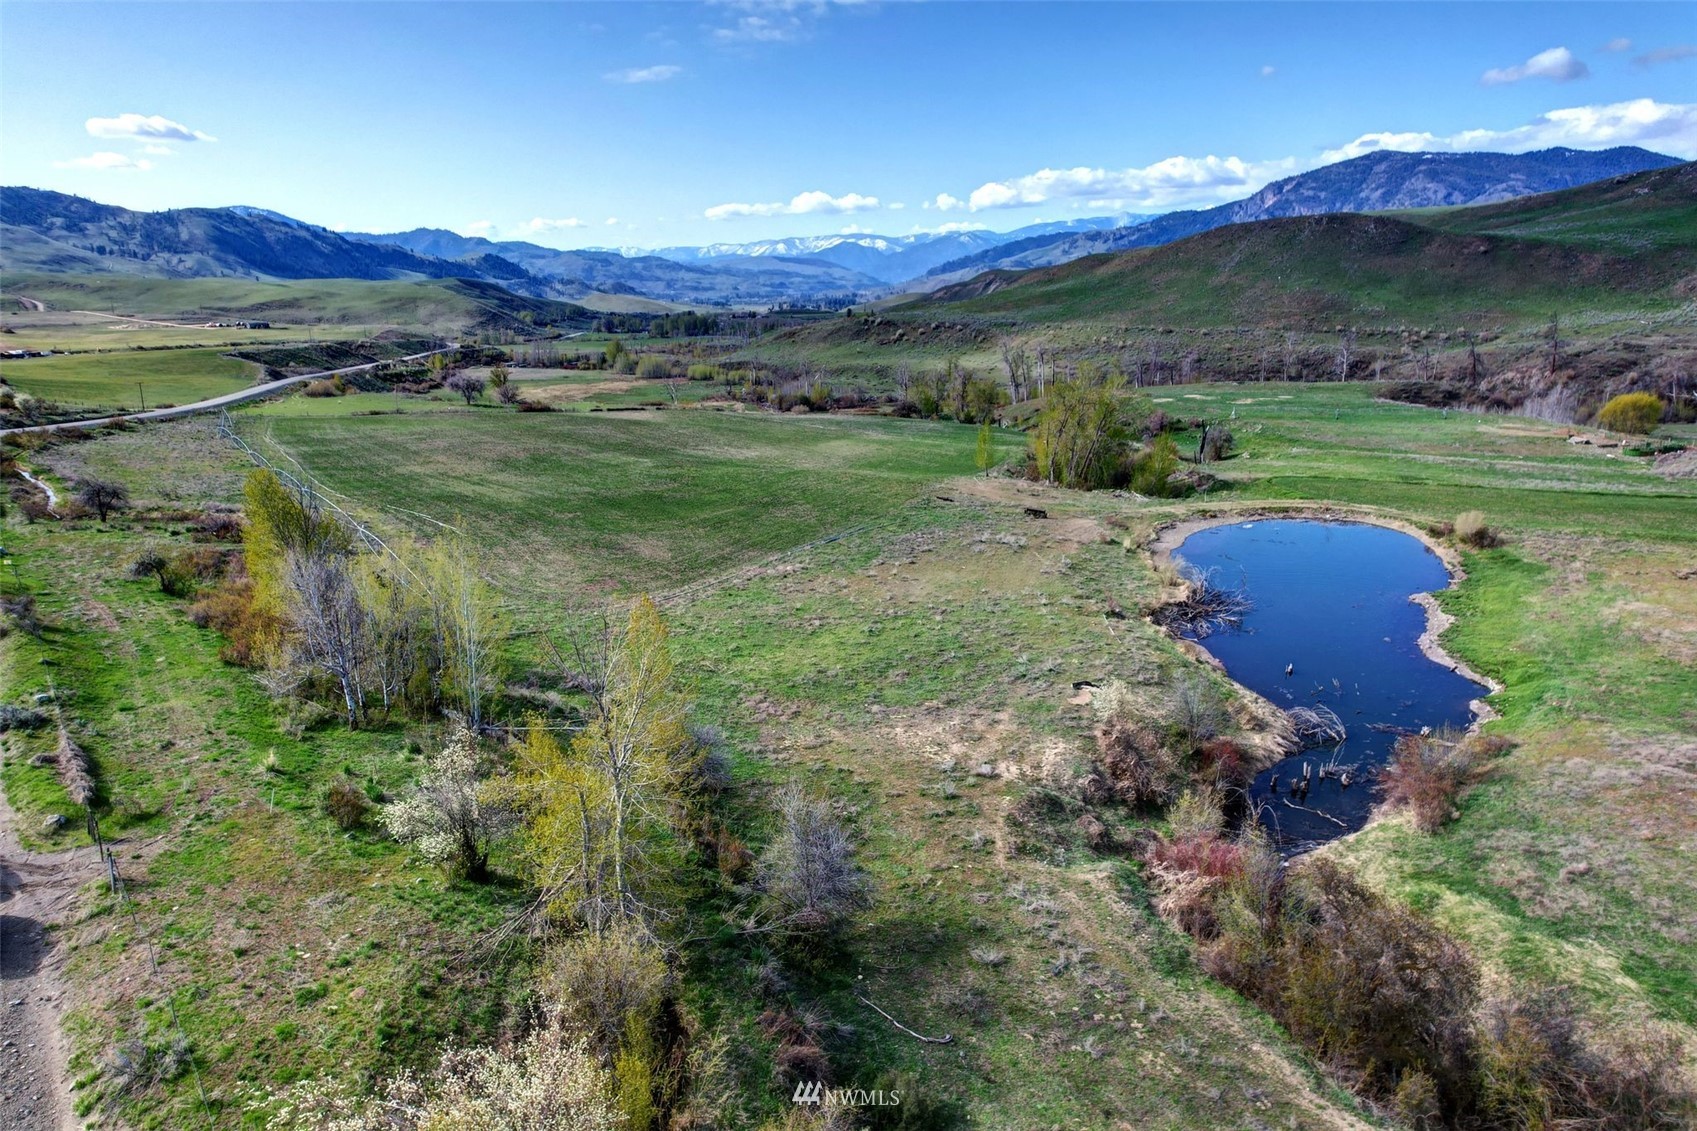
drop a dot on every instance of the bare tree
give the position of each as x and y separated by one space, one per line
328 622
1346 354
102 495
1016 362
1289 354
466 384
808 873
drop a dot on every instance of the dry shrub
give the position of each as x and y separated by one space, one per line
347 804
800 1040
1426 775
1471 530
1374 987
1193 865
604 983
321 388
1541 1066
1224 764
250 634
722 850
21 615
218 526
1139 767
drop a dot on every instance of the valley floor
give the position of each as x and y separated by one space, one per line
859 612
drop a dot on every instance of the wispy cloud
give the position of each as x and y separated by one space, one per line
105 160
1558 64
1618 45
143 127
1669 127
659 73
771 21
801 204
1665 55
484 228
1269 71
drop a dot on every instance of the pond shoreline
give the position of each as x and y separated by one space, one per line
1169 536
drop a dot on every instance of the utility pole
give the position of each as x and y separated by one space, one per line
143 395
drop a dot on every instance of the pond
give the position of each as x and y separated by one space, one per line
1330 626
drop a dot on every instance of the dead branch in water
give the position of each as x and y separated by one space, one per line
1317 726
1205 606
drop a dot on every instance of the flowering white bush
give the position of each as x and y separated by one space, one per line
449 819
548 1082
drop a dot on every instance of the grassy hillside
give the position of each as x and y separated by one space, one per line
450 305
1313 271
1655 211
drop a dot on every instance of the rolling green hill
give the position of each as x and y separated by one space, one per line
1625 244
447 305
1654 211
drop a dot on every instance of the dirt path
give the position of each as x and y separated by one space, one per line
37 892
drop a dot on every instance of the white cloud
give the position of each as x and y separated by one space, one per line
143 127
659 73
1621 44
540 225
959 226
159 150
1558 64
1166 183
1668 127
104 161
611 221
484 228
1269 71
1666 55
853 230
1185 182
896 206
801 204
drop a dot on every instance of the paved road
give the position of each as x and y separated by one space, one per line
239 396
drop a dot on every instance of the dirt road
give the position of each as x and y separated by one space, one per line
237 397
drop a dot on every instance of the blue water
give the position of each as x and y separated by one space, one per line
1331 602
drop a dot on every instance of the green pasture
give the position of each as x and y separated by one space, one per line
109 381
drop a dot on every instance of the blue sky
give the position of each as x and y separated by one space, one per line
655 124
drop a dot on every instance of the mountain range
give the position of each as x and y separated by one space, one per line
50 232
1374 182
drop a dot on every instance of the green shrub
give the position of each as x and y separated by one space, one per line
652 366
1636 413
